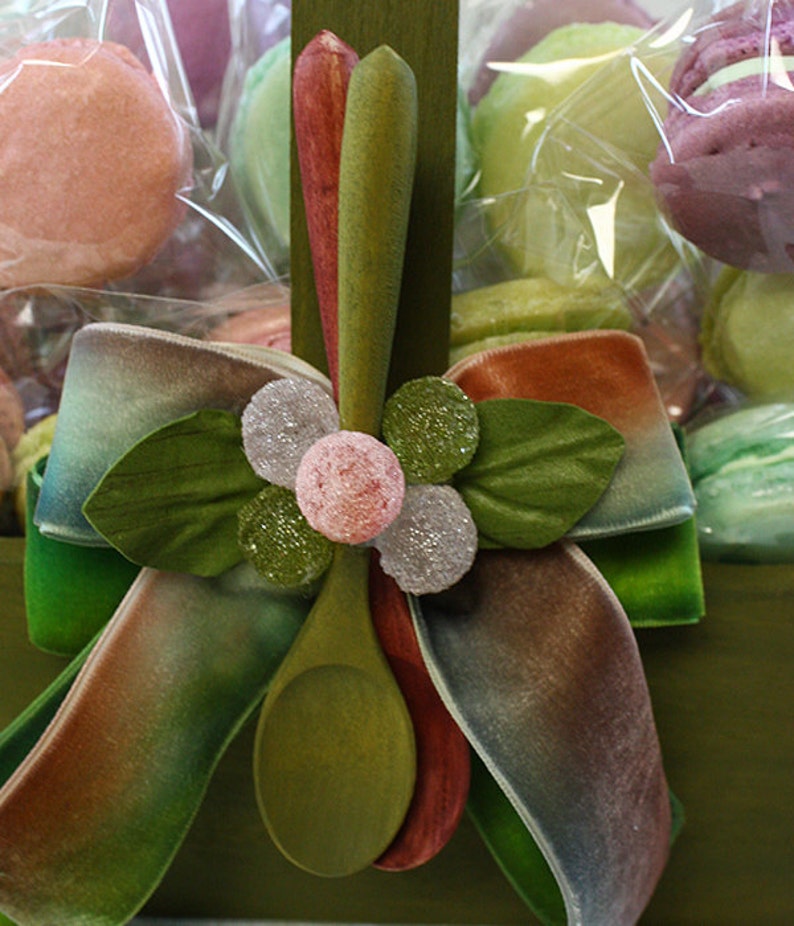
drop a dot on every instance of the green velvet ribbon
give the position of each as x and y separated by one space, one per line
71 591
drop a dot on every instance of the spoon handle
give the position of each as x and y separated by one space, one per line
375 183
319 96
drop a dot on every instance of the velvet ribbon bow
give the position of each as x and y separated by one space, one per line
532 653
528 663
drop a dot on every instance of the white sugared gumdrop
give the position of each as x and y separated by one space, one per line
349 486
282 420
432 544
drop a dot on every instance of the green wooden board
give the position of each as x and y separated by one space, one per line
425 33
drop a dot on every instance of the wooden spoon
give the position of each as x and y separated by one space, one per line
442 751
320 80
335 758
319 91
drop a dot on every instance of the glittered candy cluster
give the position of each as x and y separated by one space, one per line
336 486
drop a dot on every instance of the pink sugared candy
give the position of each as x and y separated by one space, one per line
350 486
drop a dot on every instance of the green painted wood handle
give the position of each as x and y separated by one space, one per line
376 178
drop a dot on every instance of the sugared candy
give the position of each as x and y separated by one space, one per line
433 542
276 539
281 422
350 486
432 426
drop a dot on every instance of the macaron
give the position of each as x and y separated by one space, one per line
34 444
742 470
6 470
518 310
747 333
564 139
203 36
724 173
93 162
259 151
534 19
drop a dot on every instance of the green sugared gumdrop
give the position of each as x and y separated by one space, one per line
432 427
276 538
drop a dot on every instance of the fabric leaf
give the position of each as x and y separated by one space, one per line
125 381
539 467
606 373
171 502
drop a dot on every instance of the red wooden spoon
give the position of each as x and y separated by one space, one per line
442 751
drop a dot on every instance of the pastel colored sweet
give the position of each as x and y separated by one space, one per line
92 159
203 36
563 170
267 324
6 469
34 444
259 151
534 19
350 486
669 327
747 333
521 309
725 172
742 467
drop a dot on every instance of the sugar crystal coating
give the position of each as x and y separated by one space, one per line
432 426
432 544
350 486
275 538
282 420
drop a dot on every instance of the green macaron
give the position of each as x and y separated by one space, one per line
259 151
747 333
742 469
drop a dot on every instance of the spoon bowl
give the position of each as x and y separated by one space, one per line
334 757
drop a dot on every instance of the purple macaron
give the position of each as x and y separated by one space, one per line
724 174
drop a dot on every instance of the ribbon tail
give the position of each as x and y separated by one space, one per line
536 660
91 819
21 735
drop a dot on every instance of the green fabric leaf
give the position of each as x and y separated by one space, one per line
539 467
171 501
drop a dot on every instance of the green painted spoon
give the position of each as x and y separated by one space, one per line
335 758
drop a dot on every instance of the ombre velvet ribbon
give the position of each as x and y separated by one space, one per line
91 818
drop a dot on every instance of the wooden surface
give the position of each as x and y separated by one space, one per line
723 696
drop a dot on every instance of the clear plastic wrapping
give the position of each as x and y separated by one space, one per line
657 163
201 246
36 331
